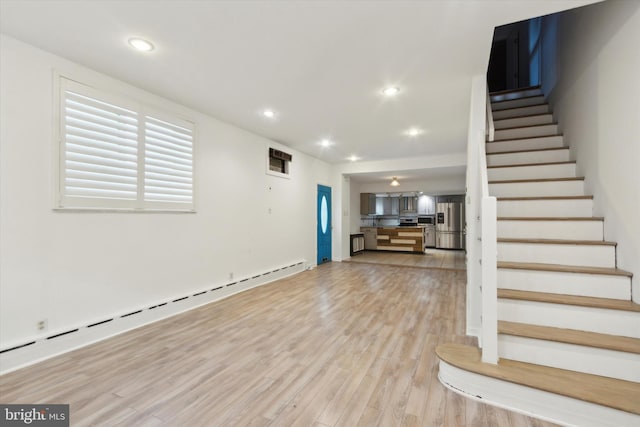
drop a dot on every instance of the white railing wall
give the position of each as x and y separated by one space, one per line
481 228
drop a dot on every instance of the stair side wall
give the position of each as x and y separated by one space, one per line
595 94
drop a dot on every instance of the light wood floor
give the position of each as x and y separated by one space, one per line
432 258
346 344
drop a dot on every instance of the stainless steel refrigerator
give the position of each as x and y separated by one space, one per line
450 226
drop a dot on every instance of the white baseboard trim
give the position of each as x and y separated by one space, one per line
532 402
73 337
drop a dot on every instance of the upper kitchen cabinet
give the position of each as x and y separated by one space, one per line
367 204
387 204
426 205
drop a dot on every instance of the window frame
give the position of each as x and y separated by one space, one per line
66 202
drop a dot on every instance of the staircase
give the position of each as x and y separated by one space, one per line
567 327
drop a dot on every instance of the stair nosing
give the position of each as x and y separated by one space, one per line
570 336
610 392
524 165
508 199
557 241
575 300
523 138
563 268
550 218
525 127
520 181
535 150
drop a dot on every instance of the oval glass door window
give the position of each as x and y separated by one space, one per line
324 215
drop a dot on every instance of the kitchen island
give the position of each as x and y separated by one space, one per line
401 239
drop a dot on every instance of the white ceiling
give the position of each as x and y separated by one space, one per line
319 64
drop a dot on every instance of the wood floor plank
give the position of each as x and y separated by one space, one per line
344 344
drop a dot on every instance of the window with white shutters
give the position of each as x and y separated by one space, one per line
117 154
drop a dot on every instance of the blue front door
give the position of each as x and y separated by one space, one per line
324 224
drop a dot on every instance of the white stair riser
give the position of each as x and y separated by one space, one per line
542 119
528 157
591 360
538 189
515 95
519 112
555 282
601 320
516 103
560 207
526 132
582 255
565 170
525 144
570 230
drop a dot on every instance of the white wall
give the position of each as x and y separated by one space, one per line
596 99
72 268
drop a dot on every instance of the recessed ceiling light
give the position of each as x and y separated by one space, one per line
141 44
326 143
269 113
413 132
390 91
353 158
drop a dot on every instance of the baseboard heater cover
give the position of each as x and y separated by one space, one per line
33 351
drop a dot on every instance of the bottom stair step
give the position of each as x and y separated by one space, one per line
613 393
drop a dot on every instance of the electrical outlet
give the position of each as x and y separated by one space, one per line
42 325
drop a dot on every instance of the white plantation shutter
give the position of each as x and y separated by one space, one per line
168 175
114 156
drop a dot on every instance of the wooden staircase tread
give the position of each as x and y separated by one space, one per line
525 116
560 268
593 302
519 99
514 181
522 113
610 392
524 165
526 126
543 198
557 241
507 91
526 151
550 218
570 336
523 138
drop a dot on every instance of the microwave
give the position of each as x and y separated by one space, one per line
426 220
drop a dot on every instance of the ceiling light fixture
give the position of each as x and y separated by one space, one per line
326 143
354 158
390 91
413 132
394 182
141 44
269 114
